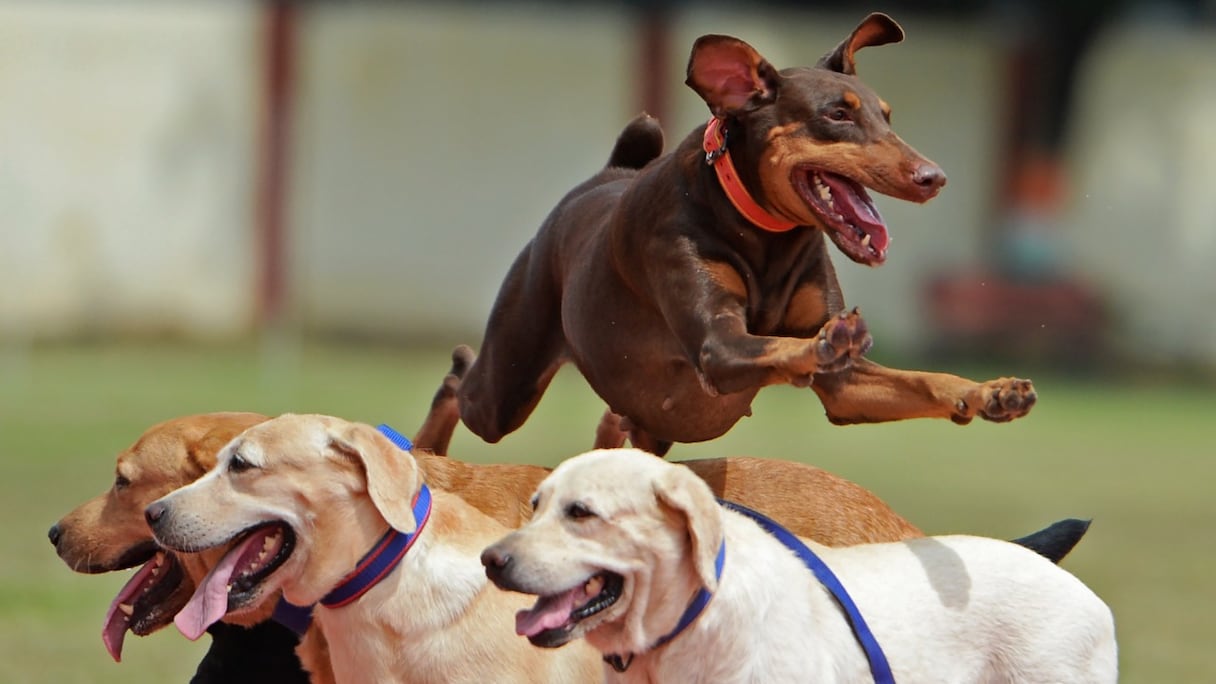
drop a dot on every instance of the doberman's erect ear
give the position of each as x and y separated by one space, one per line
730 75
876 29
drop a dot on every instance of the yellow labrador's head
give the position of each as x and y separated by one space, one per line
618 544
292 504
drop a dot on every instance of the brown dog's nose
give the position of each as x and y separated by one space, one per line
54 534
929 177
154 512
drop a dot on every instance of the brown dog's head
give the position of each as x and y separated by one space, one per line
292 505
108 532
619 543
811 139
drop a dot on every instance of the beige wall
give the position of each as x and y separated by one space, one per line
431 140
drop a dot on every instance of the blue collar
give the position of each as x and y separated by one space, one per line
878 660
691 613
373 567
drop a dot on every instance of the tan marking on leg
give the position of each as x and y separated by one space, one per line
727 278
808 309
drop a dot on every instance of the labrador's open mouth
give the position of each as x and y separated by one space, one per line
550 622
847 212
234 582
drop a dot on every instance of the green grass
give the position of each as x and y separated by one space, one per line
1134 456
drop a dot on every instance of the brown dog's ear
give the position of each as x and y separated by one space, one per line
876 29
392 474
687 494
730 75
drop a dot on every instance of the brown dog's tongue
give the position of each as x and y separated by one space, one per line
854 204
114 632
210 600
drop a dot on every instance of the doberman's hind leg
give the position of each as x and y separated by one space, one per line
613 429
437 429
869 393
608 434
521 352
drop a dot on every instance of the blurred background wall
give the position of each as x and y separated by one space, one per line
207 170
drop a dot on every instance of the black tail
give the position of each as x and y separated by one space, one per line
1056 540
639 144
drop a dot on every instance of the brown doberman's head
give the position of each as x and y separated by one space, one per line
809 140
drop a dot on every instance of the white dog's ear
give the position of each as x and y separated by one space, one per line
681 490
392 474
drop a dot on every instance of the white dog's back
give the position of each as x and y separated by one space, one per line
944 609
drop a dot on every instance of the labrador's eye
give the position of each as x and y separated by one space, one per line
237 464
578 510
535 502
121 481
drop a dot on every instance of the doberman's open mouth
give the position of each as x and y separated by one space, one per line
550 622
146 602
847 212
234 582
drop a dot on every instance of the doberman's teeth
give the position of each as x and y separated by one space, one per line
865 241
229 588
126 608
269 542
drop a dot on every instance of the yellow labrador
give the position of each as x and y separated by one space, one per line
305 498
621 542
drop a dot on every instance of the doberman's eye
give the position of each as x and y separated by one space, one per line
839 114
237 464
578 511
121 481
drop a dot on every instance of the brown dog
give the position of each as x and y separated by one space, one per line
680 287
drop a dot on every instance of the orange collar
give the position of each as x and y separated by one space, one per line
717 156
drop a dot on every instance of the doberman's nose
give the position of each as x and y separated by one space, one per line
154 512
55 534
929 177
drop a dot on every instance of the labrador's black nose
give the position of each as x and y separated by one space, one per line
55 534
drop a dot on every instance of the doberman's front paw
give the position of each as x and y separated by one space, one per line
843 338
999 401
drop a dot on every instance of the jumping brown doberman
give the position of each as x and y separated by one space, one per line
680 285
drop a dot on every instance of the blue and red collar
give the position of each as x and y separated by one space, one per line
374 566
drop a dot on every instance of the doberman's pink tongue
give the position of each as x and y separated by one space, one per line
549 612
210 600
114 632
853 203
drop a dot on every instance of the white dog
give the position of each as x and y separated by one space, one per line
621 542
299 501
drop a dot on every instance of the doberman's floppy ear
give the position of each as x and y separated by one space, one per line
730 75
681 490
392 474
876 29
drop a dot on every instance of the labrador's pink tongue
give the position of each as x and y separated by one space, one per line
210 600
115 629
548 613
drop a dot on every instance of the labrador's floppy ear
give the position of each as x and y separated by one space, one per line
730 75
876 29
392 474
681 490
